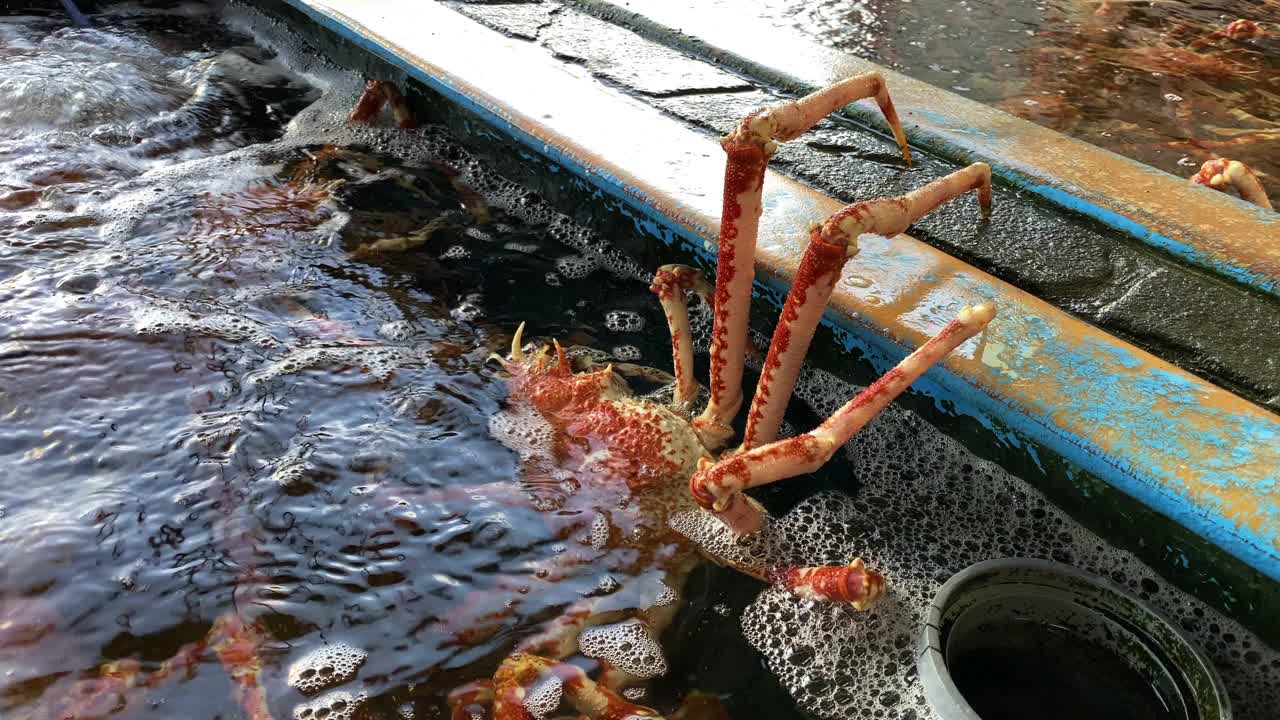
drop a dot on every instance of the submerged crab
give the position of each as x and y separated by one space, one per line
637 463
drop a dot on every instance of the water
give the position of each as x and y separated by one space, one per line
1121 74
1048 672
237 433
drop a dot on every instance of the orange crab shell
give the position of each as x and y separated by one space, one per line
598 426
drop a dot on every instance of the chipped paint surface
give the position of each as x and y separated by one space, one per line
1192 451
1212 230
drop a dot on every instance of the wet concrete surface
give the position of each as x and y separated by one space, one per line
1216 329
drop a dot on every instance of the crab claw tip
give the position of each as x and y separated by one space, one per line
516 344
978 314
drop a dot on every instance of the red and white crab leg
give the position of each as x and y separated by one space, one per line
749 148
1222 173
670 284
831 244
376 95
718 486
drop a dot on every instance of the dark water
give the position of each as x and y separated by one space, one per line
1027 669
1124 74
223 405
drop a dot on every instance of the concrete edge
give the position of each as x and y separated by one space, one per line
1205 228
1184 447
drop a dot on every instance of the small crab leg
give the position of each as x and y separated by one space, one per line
749 148
378 93
1222 173
853 584
370 103
831 244
236 644
1235 30
670 284
715 485
522 673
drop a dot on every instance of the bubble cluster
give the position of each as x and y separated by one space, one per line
600 528
378 362
626 353
624 321
456 252
325 667
628 646
575 267
544 697
666 596
927 509
159 319
396 330
337 705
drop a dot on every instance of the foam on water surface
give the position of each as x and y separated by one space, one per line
925 509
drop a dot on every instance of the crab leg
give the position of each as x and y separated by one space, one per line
522 678
831 244
1241 29
749 148
718 486
670 284
1222 173
376 95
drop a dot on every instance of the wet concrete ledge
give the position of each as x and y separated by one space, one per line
1217 232
1038 379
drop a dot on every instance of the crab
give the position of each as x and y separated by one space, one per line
613 471
638 464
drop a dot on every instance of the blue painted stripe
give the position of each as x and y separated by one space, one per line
1135 475
947 148
1116 221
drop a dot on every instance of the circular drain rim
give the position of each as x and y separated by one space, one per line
1208 694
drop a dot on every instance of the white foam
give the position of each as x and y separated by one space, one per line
325 667
337 705
628 646
544 697
624 321
928 508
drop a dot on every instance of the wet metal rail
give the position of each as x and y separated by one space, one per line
1212 230
1038 379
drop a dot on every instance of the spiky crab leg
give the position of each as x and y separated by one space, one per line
1222 173
378 94
670 284
717 485
831 244
749 148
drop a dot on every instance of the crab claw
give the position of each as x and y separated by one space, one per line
853 584
1222 174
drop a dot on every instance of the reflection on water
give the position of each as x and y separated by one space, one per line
1144 79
